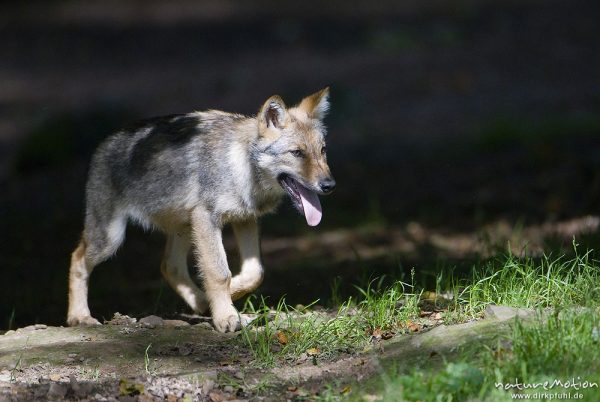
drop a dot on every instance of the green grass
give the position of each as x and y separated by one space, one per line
147 359
529 283
560 343
292 334
561 347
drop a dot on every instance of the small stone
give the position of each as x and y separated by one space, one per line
504 313
207 386
55 377
216 397
98 397
151 321
72 355
121 319
228 388
176 324
211 375
57 391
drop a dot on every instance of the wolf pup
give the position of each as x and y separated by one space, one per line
191 174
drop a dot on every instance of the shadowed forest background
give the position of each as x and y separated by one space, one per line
456 129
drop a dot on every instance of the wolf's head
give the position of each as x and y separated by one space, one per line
291 151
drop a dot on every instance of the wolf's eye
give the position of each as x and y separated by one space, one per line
297 153
323 150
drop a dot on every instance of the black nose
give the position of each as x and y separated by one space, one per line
327 185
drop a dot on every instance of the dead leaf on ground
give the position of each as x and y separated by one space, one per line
282 338
425 313
313 351
413 326
376 333
346 390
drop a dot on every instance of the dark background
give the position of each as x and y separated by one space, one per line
454 125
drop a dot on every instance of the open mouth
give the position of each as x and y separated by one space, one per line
306 201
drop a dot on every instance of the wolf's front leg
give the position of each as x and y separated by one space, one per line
212 261
251 273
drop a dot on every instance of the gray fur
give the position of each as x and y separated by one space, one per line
188 175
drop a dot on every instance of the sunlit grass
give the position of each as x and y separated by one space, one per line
562 342
287 333
529 283
564 346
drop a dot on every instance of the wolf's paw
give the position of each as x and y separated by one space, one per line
230 322
83 321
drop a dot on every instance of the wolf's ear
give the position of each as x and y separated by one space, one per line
317 104
273 112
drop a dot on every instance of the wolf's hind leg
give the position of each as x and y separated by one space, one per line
98 243
251 273
175 270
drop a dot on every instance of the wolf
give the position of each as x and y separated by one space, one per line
189 175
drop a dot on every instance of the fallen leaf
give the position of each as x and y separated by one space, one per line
292 389
425 313
55 377
413 326
376 333
313 351
282 338
346 390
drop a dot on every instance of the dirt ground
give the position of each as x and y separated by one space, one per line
150 359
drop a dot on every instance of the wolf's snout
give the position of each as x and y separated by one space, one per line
327 185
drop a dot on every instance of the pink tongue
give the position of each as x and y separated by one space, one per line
311 205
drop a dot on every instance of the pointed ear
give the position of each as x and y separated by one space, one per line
317 104
273 112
